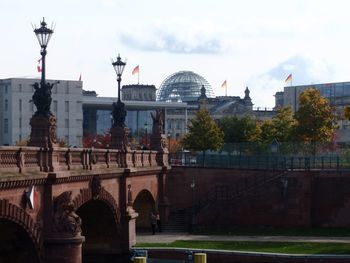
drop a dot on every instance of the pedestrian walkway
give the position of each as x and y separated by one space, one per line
171 237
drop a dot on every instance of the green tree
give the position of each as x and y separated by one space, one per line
281 127
315 118
203 134
346 112
239 129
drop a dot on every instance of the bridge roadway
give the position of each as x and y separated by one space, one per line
69 205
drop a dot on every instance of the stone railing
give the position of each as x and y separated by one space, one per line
31 159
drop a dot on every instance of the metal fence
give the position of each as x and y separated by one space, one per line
264 162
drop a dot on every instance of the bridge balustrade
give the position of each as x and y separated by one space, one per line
35 159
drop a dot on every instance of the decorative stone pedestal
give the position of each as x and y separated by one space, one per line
129 229
119 136
64 249
43 132
158 143
43 135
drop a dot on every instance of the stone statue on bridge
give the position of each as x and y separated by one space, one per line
66 221
157 118
42 98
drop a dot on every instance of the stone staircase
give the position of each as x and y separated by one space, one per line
243 189
177 221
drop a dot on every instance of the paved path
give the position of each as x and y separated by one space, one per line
170 237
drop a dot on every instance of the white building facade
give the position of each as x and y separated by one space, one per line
17 108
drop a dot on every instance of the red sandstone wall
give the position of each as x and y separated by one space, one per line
310 199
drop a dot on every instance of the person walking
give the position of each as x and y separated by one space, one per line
153 223
159 225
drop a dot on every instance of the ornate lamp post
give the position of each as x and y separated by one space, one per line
119 66
43 123
119 131
43 34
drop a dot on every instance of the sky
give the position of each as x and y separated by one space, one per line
250 43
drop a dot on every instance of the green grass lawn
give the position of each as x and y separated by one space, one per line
272 247
334 232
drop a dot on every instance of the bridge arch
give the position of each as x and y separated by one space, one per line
144 204
85 196
99 214
21 232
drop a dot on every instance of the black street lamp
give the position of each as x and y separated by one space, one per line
119 112
119 66
42 96
43 34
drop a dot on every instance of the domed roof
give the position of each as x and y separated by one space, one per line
183 86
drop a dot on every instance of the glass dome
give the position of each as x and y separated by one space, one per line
183 86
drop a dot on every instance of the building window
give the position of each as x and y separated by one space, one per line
178 124
6 88
6 125
55 88
79 140
54 106
79 106
80 123
67 88
66 139
168 124
6 105
20 105
66 123
20 88
66 106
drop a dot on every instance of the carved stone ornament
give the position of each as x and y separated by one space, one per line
129 195
95 187
66 221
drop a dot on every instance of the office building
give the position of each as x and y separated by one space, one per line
18 108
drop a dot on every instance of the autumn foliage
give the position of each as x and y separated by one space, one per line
100 141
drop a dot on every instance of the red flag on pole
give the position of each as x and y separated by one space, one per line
289 78
224 84
38 67
136 70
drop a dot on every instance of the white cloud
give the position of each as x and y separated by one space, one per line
177 37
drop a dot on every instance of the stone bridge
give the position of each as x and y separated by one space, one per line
72 204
